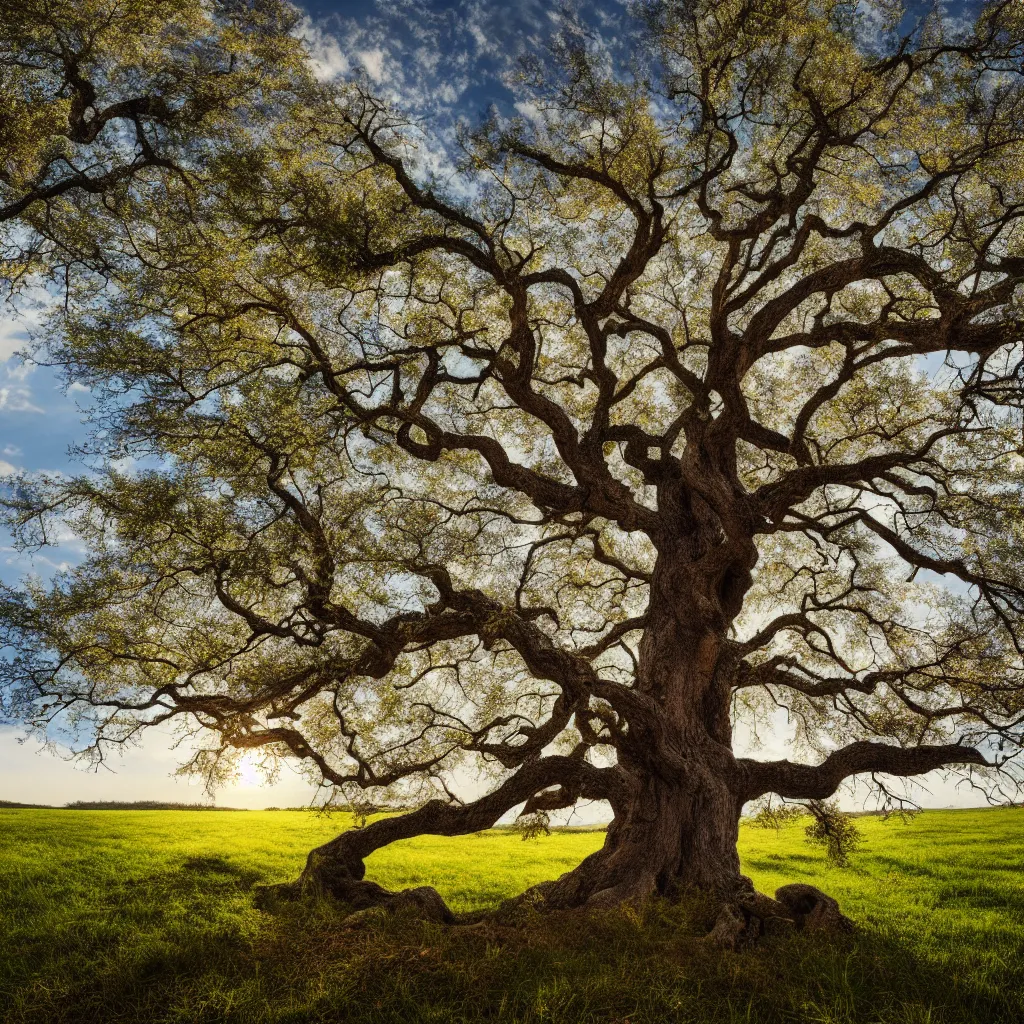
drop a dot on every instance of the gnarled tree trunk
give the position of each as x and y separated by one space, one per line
677 827
671 836
678 790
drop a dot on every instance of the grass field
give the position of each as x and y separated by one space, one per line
148 916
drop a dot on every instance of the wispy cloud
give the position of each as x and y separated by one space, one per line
12 338
325 51
17 398
373 62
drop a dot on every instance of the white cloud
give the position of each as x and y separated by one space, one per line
12 338
531 112
958 18
479 37
373 62
18 371
325 53
10 449
6 468
17 399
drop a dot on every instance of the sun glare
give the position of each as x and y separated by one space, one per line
249 773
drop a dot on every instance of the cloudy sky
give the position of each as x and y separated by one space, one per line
444 59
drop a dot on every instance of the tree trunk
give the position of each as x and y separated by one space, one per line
671 837
678 795
679 826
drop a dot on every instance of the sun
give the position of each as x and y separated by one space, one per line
249 773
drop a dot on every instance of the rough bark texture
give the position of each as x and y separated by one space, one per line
748 915
812 910
665 841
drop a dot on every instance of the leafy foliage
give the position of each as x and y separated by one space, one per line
835 830
775 816
100 98
532 826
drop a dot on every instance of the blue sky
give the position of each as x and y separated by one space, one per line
444 59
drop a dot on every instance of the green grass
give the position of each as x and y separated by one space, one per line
148 916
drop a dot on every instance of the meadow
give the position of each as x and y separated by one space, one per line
149 916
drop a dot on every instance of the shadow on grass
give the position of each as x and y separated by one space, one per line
649 966
196 877
911 868
981 896
200 887
303 965
220 866
772 861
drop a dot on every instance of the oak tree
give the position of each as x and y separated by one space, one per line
691 396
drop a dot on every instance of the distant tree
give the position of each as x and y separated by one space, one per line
694 396
532 826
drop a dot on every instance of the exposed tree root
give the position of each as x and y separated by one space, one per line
813 910
747 914
362 898
344 882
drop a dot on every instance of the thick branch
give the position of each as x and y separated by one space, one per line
444 819
816 782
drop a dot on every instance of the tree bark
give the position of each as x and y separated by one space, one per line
672 836
679 827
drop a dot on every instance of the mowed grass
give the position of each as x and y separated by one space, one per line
148 916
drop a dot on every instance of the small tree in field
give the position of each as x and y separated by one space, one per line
685 400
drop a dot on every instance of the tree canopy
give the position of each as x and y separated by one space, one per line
94 93
692 395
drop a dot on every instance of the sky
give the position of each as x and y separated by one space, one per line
443 59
